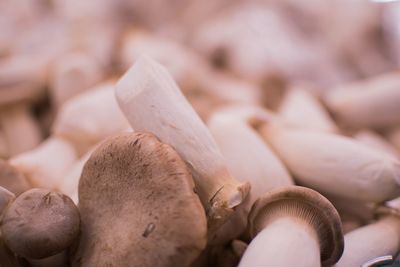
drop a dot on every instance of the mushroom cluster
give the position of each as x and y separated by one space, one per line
199 133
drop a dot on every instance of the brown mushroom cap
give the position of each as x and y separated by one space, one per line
12 179
304 204
40 223
138 206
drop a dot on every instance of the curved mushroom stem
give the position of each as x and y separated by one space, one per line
371 241
284 242
152 102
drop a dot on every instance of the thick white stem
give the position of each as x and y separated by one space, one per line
152 102
377 239
282 243
335 164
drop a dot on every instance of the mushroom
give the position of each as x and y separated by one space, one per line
260 167
11 179
293 226
373 102
7 257
151 101
40 223
90 117
138 206
45 165
300 103
335 164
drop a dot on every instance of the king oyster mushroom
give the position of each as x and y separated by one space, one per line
138 206
293 226
151 101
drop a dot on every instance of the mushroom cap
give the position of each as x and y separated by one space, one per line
138 206
40 224
12 179
304 204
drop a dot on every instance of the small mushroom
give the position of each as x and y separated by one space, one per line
293 226
374 102
12 179
335 164
45 165
151 101
90 117
260 166
138 206
40 223
300 103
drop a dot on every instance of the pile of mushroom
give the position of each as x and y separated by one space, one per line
199 133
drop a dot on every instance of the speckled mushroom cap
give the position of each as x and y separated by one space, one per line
11 179
304 204
138 206
40 223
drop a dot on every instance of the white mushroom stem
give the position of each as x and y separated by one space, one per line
90 117
335 164
371 241
46 165
371 103
151 101
300 103
284 242
374 140
20 129
249 159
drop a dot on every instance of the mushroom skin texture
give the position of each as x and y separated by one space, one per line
40 223
151 101
138 206
12 179
334 164
376 239
293 226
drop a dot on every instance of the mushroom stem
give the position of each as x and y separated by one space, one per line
335 164
293 226
371 241
285 242
152 102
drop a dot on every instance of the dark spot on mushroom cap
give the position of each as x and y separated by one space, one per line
40 223
308 206
138 207
11 179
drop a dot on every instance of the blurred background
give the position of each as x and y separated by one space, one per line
218 51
